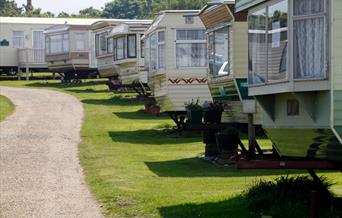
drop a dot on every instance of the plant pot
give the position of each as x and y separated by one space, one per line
225 142
195 116
212 116
211 150
209 137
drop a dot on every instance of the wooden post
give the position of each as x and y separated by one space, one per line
251 137
314 204
27 66
19 73
53 75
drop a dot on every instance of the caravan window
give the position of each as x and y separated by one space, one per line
101 44
147 53
57 44
309 30
219 52
120 48
80 41
131 46
191 48
153 50
267 43
18 39
109 45
161 50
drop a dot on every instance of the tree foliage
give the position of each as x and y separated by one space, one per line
90 12
9 9
120 9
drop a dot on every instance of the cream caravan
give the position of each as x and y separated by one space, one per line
176 59
228 62
22 44
118 50
68 49
295 73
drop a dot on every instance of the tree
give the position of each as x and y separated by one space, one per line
9 9
90 12
122 9
63 14
37 12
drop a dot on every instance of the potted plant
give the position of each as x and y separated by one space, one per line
194 111
228 140
213 112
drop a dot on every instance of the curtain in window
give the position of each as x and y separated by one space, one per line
18 39
120 48
309 32
161 50
153 50
191 54
147 54
110 45
191 48
80 42
131 39
161 56
65 43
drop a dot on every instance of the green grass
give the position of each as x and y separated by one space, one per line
135 169
6 107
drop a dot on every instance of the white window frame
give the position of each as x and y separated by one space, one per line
228 25
21 38
101 49
160 43
83 40
115 51
290 36
290 42
200 41
150 51
128 44
291 20
64 36
38 30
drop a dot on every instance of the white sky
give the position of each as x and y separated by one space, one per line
69 6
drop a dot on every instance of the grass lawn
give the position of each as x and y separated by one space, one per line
137 170
6 107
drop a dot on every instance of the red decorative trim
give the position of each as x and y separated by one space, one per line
188 81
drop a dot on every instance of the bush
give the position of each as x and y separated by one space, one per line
288 196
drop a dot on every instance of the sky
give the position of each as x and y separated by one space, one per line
69 6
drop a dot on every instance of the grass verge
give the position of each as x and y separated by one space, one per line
136 170
6 107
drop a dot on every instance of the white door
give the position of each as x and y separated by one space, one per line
38 46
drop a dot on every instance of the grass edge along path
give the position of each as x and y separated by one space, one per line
6 107
136 170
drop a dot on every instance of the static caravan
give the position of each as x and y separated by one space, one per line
227 57
22 44
102 46
176 59
127 59
68 49
295 73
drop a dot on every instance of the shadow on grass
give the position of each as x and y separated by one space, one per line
56 84
196 167
80 91
140 115
230 208
150 137
119 101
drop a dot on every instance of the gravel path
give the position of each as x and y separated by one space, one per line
40 174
